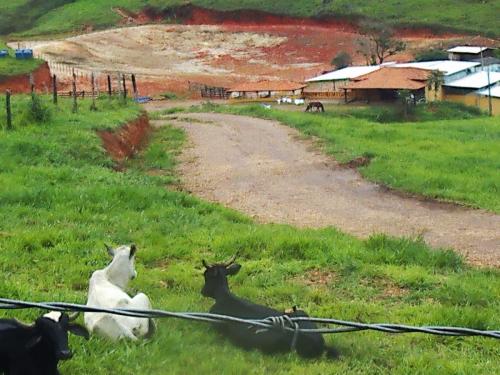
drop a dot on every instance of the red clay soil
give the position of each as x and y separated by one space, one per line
124 142
193 15
20 84
307 51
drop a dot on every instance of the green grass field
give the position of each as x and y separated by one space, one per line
9 66
57 16
454 160
61 201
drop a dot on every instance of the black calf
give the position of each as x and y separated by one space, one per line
36 349
308 345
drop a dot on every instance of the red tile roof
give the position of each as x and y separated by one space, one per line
389 78
267 86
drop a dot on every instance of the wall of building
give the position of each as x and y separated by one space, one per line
482 102
432 95
475 100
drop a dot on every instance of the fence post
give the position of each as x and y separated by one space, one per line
93 106
110 89
124 87
54 89
32 84
134 85
8 109
75 103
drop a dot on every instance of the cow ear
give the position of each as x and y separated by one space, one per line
133 250
33 341
233 269
110 250
78 330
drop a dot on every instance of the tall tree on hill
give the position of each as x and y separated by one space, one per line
379 43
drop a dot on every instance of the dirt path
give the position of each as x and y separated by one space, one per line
263 169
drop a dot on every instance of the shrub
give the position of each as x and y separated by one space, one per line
432 54
342 60
38 111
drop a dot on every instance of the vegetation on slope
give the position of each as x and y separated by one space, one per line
56 16
61 200
455 159
9 66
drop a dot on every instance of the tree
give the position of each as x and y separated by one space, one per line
434 82
379 44
342 60
432 54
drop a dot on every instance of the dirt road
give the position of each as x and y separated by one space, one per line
264 169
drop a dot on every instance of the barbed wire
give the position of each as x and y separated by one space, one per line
286 322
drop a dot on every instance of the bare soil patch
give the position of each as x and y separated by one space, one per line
262 168
166 57
20 84
124 142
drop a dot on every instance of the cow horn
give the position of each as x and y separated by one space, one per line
205 264
133 250
73 316
230 261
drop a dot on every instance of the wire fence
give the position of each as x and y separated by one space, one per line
285 322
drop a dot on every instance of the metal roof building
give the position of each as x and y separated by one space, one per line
447 67
476 81
346 73
467 49
495 92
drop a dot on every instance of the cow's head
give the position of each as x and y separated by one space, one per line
122 268
216 276
52 330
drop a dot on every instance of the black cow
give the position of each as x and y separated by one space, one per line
36 349
308 345
318 106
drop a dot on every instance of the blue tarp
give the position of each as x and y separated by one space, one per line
24 54
4 53
143 99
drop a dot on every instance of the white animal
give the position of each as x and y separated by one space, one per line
299 101
267 106
106 289
288 100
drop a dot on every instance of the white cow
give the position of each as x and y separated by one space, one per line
106 290
299 102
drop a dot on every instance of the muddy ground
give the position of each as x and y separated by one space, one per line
268 171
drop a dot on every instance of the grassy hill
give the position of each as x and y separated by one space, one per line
62 201
56 16
9 66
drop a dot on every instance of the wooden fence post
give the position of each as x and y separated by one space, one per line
75 103
32 84
124 87
110 89
134 85
8 109
54 89
93 106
